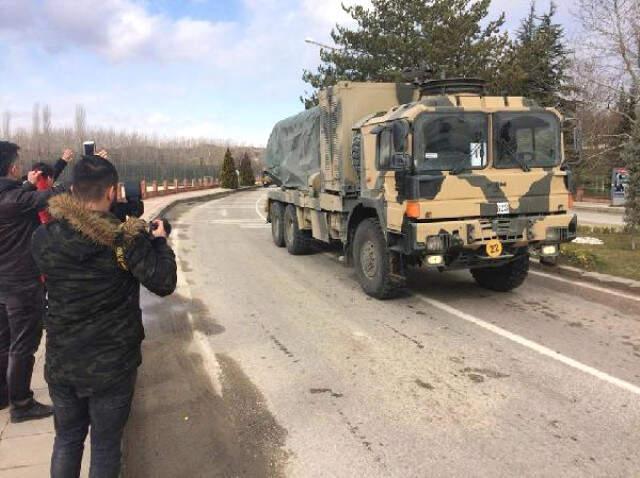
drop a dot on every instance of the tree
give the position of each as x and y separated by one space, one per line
631 157
247 176
612 44
538 61
80 123
6 124
625 110
46 129
35 128
228 176
450 36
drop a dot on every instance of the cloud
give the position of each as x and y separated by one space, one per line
119 30
126 30
330 12
21 12
171 74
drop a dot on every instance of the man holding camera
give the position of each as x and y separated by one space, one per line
21 291
94 265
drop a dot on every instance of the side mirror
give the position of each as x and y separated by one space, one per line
400 131
391 146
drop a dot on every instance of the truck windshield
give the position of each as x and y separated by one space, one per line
526 140
451 141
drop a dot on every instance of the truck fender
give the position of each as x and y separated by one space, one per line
365 208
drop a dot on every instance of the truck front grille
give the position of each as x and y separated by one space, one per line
505 229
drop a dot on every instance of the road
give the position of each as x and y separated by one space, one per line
594 218
265 364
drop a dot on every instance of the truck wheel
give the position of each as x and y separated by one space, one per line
504 278
277 223
372 260
297 241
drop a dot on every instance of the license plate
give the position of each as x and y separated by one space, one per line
503 208
494 249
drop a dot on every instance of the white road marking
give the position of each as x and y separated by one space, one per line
230 206
536 347
258 209
587 286
233 221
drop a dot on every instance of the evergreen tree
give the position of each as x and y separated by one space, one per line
247 176
450 36
631 157
228 176
538 60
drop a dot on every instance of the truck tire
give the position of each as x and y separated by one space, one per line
504 278
298 242
372 260
277 223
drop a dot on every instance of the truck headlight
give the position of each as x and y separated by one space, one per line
553 234
550 250
434 243
435 260
558 234
438 243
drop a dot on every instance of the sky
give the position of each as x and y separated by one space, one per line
216 69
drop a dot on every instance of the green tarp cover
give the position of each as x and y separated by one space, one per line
293 151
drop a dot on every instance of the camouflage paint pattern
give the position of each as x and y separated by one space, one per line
453 204
342 107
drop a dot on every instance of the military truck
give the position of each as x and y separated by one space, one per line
438 176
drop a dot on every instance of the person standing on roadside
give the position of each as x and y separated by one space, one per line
49 175
94 265
21 291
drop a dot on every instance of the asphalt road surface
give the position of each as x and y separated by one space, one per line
265 364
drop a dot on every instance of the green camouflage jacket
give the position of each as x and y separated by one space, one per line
94 322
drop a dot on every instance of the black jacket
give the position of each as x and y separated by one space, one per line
19 206
94 322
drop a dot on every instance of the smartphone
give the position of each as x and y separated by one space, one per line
89 148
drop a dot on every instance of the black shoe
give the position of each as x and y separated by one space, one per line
4 404
31 411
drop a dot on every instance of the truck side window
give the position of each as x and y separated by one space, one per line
385 149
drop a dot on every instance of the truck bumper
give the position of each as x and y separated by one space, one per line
471 237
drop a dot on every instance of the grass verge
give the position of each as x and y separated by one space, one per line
615 257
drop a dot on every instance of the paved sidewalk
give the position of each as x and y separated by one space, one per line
599 215
598 207
25 449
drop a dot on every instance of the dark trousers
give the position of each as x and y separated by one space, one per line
106 413
21 314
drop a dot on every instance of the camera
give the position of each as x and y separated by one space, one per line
133 206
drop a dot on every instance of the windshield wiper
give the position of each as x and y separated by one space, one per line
461 168
512 153
519 158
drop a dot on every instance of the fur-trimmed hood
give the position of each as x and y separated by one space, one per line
100 228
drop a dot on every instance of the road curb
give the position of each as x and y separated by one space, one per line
203 198
603 280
